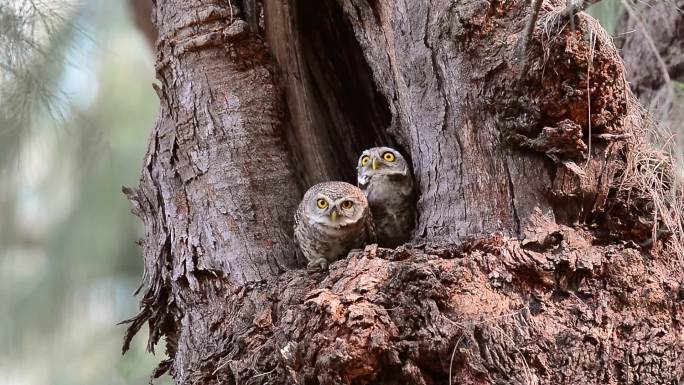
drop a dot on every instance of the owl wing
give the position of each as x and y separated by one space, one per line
370 229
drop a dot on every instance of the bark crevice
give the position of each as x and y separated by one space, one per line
356 115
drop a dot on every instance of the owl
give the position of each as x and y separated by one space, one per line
385 178
332 219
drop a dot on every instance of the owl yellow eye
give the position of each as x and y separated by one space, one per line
347 205
322 203
365 160
388 156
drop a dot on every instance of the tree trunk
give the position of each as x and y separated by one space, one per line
525 266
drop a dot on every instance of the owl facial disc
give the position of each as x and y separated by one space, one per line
380 161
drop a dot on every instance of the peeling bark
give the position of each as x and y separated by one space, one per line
211 192
525 266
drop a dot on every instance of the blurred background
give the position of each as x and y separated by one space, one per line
76 109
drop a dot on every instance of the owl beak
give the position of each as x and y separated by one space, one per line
333 215
376 164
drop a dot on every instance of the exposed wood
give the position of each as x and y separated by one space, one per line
334 109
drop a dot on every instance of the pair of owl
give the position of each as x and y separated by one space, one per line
336 217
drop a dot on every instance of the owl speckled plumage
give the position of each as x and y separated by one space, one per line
385 178
332 219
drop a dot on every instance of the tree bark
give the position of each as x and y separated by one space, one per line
217 190
525 265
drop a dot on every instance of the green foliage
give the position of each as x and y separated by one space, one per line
32 38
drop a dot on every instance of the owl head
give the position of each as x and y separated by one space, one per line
380 161
335 204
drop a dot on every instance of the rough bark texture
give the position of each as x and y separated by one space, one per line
217 190
525 266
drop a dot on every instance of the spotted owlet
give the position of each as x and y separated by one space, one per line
385 178
332 219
